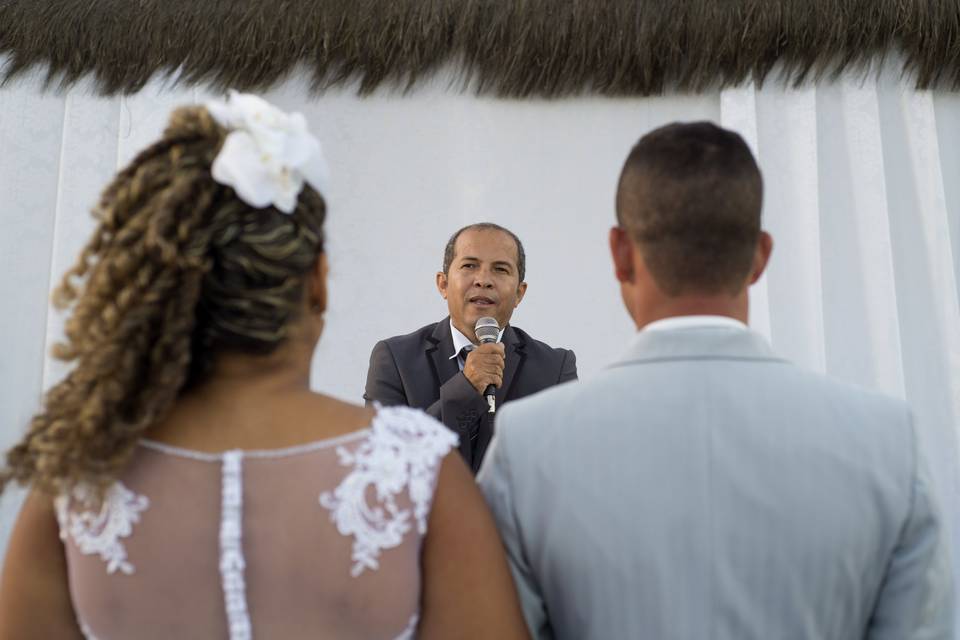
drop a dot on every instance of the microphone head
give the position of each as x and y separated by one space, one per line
487 330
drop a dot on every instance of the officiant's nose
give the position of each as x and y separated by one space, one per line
483 278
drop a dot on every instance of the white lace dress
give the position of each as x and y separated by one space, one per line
316 541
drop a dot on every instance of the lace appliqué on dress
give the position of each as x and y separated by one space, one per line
100 531
401 453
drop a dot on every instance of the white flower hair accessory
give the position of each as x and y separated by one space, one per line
268 154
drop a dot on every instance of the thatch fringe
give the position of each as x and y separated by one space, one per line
507 47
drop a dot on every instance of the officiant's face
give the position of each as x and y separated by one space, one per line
483 279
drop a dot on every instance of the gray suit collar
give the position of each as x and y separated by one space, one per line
701 343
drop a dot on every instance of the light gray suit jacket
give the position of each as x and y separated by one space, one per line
703 488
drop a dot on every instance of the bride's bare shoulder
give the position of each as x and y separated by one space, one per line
268 422
328 410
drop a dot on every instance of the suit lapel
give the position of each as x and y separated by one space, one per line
439 347
513 358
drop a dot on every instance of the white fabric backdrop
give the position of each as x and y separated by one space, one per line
862 200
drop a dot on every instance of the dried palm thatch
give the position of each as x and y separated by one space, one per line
506 47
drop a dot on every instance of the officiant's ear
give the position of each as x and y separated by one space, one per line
761 256
317 284
621 250
442 282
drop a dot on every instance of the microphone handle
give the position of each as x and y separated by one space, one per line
491 390
490 394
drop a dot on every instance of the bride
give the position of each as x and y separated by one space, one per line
185 482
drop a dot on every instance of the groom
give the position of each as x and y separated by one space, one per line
703 487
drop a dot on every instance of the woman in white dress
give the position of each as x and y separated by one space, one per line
186 483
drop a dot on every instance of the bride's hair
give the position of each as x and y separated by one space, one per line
178 269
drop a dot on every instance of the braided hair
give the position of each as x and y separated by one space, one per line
177 270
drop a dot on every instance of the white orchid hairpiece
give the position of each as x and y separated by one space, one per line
268 154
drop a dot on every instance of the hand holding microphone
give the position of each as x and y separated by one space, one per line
484 365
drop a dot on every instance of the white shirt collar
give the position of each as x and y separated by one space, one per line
460 341
694 322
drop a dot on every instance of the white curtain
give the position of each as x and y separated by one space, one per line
862 197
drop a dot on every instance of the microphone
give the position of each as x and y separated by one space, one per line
488 331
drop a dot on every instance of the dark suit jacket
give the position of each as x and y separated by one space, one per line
416 370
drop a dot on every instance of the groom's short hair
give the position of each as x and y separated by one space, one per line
690 196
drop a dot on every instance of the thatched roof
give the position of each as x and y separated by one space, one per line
505 47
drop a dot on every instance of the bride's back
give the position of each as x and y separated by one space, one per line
321 539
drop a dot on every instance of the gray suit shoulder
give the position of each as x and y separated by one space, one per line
532 344
414 337
841 391
568 406
550 361
402 348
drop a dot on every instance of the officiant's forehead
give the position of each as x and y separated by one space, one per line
477 244
464 239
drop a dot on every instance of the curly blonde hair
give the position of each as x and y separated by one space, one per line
177 270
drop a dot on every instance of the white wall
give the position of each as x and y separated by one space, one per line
861 198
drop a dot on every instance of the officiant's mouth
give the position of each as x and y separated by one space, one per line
482 302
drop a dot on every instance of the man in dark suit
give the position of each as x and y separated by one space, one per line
442 369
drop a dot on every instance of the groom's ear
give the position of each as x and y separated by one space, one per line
761 256
621 251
